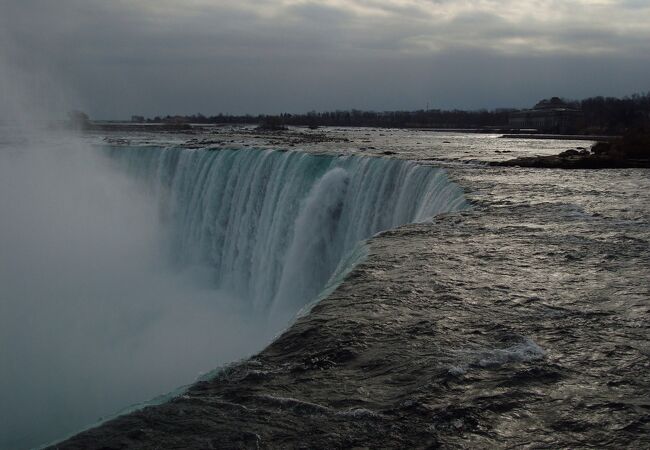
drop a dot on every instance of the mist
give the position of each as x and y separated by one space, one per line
94 315
128 271
97 312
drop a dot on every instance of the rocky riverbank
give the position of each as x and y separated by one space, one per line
632 151
573 159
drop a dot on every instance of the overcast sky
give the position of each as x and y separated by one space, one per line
115 58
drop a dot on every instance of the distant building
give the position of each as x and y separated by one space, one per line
554 115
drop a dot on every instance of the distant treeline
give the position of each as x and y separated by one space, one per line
599 115
616 115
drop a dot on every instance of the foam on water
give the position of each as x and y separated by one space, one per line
526 350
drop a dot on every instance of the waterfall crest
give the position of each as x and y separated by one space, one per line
128 272
273 226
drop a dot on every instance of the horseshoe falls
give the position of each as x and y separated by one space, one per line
150 266
272 226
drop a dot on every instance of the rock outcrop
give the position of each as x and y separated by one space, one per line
632 151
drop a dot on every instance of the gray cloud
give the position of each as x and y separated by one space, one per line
158 57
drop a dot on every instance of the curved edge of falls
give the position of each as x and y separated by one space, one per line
274 226
278 231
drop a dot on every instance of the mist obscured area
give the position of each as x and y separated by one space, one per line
94 316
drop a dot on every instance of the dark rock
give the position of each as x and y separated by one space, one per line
633 151
601 148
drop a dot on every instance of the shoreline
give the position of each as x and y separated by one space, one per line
580 162
616 154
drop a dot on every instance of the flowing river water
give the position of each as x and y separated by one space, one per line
519 317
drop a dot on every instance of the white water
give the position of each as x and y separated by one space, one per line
126 276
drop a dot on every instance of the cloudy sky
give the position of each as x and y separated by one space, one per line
115 58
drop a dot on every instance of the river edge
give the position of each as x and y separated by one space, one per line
419 346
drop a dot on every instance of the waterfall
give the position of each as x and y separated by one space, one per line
130 271
273 226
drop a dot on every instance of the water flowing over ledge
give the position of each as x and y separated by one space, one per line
521 321
274 226
276 231
141 268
